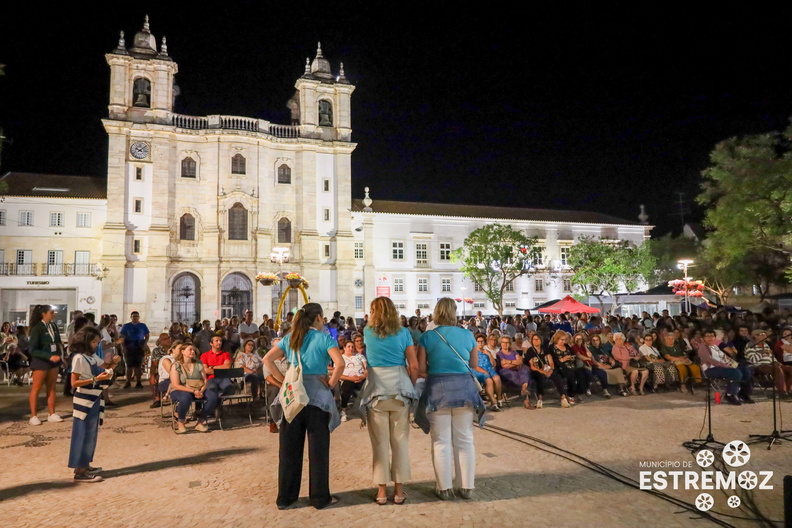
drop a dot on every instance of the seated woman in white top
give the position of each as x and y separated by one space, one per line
355 372
248 360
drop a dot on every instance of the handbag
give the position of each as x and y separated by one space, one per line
634 363
292 395
479 388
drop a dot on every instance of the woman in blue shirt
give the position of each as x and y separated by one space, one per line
450 401
318 418
386 398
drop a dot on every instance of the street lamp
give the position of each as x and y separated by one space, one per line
684 264
463 288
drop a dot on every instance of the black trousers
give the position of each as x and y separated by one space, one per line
315 422
347 389
558 381
578 380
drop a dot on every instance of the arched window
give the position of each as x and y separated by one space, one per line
187 227
284 174
238 164
284 231
141 93
186 299
238 222
188 168
236 295
325 113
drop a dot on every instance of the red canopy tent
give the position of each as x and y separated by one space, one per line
568 304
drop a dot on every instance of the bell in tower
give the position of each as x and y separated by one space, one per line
142 93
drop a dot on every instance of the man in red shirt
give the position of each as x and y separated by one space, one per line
216 358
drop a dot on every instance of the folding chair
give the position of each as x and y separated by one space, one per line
231 399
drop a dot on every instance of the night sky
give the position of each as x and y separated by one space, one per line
591 110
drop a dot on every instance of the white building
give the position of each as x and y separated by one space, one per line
51 244
199 204
403 249
207 198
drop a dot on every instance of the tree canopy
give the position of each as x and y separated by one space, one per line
605 267
748 192
493 256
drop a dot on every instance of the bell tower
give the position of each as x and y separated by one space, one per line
322 103
142 86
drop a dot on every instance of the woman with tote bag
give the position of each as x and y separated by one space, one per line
309 352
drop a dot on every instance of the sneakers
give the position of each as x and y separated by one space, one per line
588 392
87 477
606 394
34 420
624 392
92 469
54 418
344 416
565 403
733 400
202 427
539 404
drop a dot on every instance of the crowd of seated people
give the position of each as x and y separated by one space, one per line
565 357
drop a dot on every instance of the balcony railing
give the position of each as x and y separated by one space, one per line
247 124
77 270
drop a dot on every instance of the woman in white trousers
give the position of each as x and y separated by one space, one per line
451 402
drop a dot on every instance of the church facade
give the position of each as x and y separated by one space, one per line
206 199
194 207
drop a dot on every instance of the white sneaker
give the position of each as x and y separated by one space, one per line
54 418
344 417
34 420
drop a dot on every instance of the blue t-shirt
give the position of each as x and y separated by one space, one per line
134 333
386 351
439 356
313 353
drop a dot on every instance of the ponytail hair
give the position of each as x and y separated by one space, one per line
38 312
302 323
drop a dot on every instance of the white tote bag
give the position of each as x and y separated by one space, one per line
292 395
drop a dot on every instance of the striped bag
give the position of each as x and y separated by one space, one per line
85 398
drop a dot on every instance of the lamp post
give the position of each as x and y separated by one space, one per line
684 264
278 256
463 288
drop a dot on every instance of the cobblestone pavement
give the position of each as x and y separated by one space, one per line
228 478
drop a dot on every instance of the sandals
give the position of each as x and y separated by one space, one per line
528 405
400 499
382 501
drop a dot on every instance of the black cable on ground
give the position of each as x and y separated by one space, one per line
628 481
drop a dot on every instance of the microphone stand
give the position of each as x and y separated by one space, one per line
709 442
777 434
